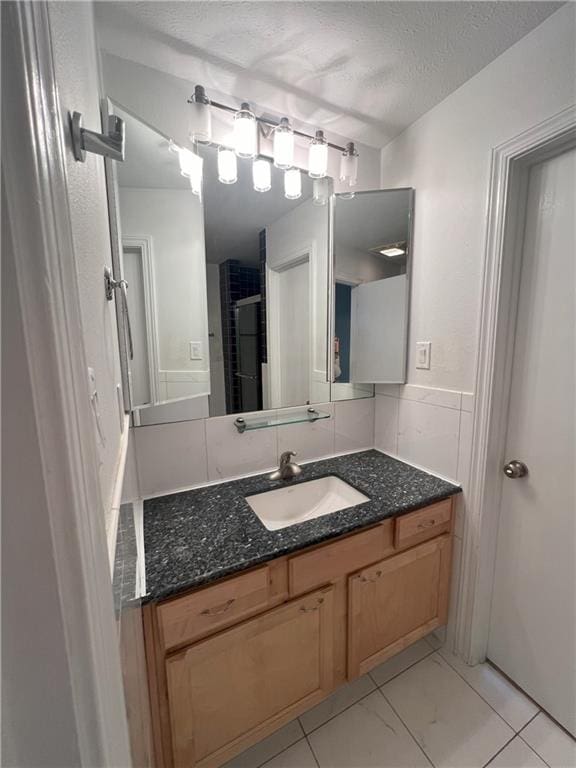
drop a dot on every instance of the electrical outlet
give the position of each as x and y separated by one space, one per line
196 350
423 354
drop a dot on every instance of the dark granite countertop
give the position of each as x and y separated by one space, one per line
194 537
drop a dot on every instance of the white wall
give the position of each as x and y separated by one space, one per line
445 156
77 73
174 221
42 698
38 719
170 457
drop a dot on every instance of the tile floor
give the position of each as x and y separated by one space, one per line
424 707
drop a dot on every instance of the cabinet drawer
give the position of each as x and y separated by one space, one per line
423 524
200 613
332 561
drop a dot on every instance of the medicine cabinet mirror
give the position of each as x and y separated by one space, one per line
235 303
370 290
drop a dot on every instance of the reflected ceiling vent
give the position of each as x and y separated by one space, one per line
390 250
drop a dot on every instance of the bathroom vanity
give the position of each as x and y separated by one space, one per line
246 628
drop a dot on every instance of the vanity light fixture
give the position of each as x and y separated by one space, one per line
292 184
318 156
227 166
245 144
283 145
200 117
261 175
349 165
245 132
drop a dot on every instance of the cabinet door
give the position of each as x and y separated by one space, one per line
395 602
233 689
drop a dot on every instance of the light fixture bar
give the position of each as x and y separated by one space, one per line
271 123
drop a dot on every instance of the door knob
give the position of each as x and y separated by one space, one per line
515 469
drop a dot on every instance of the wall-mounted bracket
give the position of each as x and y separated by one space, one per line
110 285
109 145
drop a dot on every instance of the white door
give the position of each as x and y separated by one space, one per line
533 619
378 346
294 334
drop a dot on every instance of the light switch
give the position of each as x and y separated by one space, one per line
196 350
423 354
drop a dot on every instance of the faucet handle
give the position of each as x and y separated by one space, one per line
286 456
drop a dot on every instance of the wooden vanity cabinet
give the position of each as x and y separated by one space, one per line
395 602
231 662
244 682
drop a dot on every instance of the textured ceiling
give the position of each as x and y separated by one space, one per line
363 70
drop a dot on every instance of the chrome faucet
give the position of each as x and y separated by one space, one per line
287 470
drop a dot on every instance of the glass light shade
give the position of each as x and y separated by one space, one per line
349 165
318 156
196 169
261 175
292 184
185 157
321 191
200 122
283 145
172 147
227 166
245 132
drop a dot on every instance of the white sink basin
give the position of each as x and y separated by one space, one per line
304 501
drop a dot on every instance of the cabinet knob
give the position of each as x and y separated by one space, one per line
305 609
370 579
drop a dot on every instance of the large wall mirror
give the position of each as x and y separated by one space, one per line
235 303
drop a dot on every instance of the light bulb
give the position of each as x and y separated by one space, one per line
227 166
245 133
196 166
200 126
283 145
292 184
185 158
321 190
349 165
261 175
318 156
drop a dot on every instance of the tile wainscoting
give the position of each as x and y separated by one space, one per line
431 428
168 457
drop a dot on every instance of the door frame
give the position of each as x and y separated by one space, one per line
38 210
143 243
511 162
